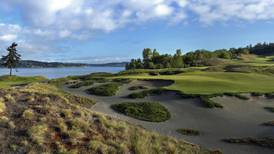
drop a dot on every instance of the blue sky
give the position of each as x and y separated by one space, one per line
100 31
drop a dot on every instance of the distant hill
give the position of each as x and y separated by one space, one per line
39 64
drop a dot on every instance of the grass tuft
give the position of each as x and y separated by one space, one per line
147 111
104 90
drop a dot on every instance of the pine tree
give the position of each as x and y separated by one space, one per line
12 58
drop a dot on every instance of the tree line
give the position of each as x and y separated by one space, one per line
152 59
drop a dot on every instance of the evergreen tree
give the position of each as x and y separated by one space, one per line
12 58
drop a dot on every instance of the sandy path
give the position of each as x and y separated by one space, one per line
238 119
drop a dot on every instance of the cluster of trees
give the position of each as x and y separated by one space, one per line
264 49
154 60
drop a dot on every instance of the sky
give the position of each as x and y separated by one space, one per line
102 31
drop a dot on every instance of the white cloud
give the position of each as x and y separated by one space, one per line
8 37
50 21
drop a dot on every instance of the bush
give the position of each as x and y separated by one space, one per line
209 103
28 114
104 90
257 94
2 106
191 132
137 88
269 95
147 111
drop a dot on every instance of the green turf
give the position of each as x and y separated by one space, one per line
208 83
7 81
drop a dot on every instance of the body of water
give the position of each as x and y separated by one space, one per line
52 73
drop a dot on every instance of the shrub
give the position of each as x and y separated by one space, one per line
191 132
38 132
263 142
2 106
28 114
104 90
4 121
98 146
209 103
270 123
147 111
257 94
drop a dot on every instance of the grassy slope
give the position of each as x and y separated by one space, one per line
7 81
48 120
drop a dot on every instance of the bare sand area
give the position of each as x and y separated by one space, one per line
238 118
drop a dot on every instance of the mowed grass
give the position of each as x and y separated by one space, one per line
208 83
7 81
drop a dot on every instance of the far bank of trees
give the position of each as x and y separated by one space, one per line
152 59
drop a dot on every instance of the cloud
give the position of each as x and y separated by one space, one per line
53 21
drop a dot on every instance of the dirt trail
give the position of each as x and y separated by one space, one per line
238 119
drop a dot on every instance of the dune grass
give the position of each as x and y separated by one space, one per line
49 121
147 111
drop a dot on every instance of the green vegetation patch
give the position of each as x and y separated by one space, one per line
82 84
140 87
104 90
263 142
147 111
240 96
209 103
190 132
145 93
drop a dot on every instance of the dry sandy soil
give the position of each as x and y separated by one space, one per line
238 119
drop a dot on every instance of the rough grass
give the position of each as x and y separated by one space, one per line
147 111
145 93
190 132
104 90
60 125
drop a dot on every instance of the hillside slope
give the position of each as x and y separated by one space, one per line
39 118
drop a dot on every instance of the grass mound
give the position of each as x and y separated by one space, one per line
190 132
209 103
60 124
147 111
145 93
104 90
